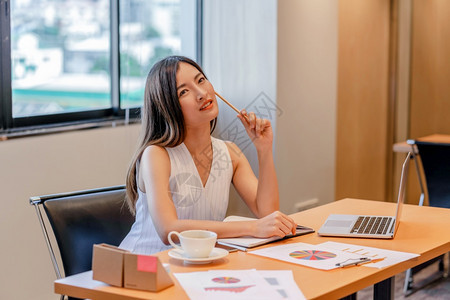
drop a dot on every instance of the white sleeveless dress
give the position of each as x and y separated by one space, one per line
192 200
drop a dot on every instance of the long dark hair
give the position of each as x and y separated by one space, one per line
161 115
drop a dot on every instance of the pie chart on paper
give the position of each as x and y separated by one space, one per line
312 255
226 279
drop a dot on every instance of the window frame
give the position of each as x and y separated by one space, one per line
38 123
5 65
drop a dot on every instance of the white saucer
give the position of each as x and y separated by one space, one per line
216 253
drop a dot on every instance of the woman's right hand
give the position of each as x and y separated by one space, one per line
275 224
259 130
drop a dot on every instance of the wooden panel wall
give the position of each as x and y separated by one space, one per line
430 73
362 108
430 68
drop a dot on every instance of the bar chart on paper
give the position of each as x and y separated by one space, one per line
380 257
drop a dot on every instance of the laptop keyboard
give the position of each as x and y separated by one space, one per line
371 225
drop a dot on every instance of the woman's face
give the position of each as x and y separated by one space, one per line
196 96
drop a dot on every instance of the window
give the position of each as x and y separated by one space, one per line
74 60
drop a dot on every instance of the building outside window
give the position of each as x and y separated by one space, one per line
65 54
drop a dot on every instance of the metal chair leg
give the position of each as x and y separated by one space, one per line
408 278
47 240
408 281
421 183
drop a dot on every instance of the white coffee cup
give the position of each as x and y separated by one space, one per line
194 243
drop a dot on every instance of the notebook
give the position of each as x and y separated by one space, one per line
367 226
250 242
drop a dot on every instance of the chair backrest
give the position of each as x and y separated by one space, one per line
84 218
435 159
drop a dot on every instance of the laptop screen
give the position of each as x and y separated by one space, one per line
402 190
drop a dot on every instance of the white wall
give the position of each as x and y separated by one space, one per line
42 165
307 94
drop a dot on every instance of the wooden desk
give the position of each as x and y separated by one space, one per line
423 230
434 138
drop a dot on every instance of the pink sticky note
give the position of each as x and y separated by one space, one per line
146 263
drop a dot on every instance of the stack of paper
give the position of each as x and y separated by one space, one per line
240 284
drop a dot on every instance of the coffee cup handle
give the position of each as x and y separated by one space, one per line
169 237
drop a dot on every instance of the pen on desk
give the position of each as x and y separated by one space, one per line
373 261
240 248
354 263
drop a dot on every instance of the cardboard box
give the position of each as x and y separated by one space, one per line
107 264
124 269
145 272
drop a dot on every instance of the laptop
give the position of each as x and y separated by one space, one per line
366 226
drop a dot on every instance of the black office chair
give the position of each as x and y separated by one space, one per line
435 160
436 166
79 220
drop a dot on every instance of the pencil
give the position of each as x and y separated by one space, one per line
232 106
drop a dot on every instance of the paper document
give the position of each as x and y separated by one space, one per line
284 283
249 242
381 258
239 284
314 256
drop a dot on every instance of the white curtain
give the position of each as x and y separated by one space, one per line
239 57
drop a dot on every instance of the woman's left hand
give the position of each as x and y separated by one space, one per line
259 130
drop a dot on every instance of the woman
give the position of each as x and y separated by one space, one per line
180 176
